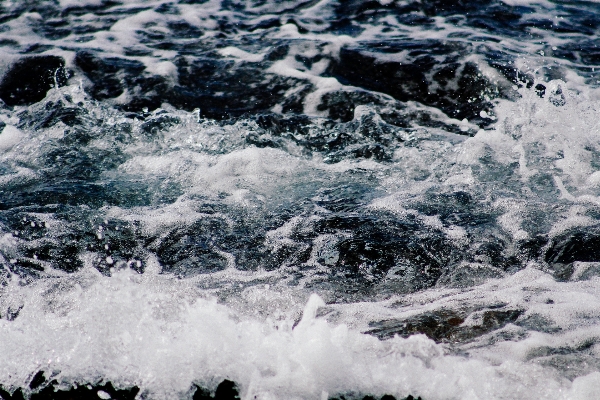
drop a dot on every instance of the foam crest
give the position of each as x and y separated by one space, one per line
162 334
9 137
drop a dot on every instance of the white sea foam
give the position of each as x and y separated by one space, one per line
240 55
162 334
79 3
9 137
161 68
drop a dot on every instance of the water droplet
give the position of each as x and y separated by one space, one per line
103 395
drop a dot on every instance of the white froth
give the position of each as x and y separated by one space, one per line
79 3
162 334
240 54
9 137
544 137
162 68
289 67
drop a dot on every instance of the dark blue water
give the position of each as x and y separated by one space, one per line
429 169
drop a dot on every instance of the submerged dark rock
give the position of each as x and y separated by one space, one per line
50 391
227 390
445 325
85 392
438 325
369 397
41 389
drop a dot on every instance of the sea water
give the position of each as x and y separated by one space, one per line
312 199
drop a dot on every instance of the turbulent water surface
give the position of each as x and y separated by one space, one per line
312 199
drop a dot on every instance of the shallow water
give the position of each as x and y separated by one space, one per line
312 199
